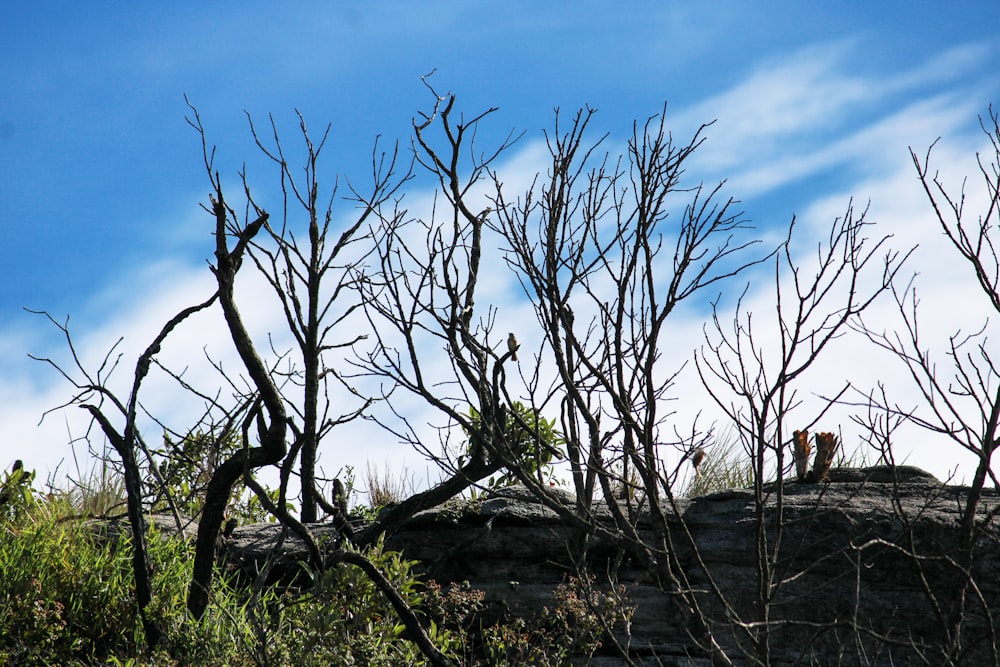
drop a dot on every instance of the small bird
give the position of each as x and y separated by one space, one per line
512 346
18 465
227 531
697 458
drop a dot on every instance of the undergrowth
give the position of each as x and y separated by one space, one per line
68 599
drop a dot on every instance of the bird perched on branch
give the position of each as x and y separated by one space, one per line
697 458
512 346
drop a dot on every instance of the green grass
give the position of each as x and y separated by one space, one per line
727 466
68 599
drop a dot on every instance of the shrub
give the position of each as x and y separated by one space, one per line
67 596
345 619
572 627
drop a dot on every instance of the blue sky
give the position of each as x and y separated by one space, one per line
101 176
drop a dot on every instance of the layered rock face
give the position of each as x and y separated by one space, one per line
868 569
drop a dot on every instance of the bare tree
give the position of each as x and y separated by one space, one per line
752 373
962 401
602 259
269 408
606 259
311 280
593 245
94 394
421 294
595 251
268 412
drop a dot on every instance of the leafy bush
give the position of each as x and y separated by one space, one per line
532 440
573 626
68 598
453 616
345 619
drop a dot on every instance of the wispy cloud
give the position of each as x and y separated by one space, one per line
812 111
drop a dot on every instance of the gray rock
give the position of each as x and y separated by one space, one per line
165 524
864 565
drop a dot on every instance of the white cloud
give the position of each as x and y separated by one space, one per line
804 116
134 306
949 297
808 112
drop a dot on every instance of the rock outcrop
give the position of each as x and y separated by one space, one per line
867 567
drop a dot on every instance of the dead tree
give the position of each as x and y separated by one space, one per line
421 301
606 258
265 405
268 412
593 259
752 372
592 247
105 407
961 399
311 279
